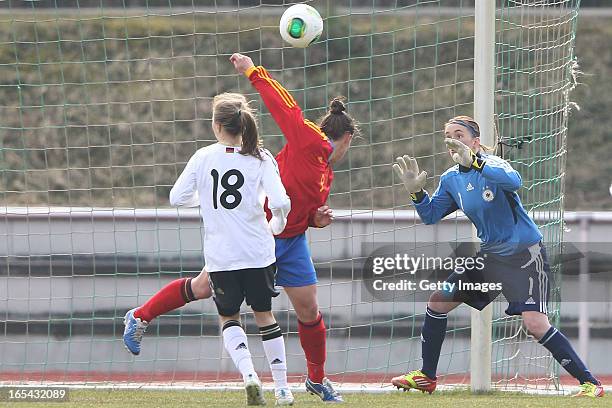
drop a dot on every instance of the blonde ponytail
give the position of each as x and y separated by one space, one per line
233 113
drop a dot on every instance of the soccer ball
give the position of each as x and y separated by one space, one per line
301 25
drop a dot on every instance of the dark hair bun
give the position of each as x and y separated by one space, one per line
336 106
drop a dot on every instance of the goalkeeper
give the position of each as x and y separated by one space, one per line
484 187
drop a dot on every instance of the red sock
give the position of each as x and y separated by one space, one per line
172 296
312 336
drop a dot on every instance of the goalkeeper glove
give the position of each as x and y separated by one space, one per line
407 169
463 155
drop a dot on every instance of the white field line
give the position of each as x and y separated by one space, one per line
347 388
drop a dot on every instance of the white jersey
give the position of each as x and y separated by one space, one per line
230 189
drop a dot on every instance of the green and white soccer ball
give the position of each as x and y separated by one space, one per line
301 25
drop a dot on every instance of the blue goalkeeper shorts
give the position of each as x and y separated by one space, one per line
294 267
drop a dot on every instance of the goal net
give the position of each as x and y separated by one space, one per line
103 102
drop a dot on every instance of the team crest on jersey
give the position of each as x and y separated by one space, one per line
488 195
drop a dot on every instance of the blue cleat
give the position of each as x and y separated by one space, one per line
324 390
134 329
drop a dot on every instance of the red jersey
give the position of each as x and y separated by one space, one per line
303 161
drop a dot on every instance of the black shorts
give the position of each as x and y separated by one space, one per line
522 278
231 288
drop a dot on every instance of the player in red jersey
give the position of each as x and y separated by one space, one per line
305 165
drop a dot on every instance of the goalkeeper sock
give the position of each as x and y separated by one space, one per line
172 296
565 355
274 346
432 337
312 337
237 346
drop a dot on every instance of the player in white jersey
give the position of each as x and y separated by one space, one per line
230 180
230 186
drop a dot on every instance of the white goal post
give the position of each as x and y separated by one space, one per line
484 108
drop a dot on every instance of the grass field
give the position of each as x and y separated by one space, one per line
183 399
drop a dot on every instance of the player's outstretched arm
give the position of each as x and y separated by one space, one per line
283 108
430 209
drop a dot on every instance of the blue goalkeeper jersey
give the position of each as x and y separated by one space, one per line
488 198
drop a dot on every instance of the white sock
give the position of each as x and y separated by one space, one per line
237 346
274 346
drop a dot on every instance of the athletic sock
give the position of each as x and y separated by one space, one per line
432 337
237 346
312 337
274 346
172 296
565 354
